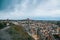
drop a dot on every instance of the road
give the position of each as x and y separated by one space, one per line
4 35
5 28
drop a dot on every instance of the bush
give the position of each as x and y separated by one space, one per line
2 25
18 33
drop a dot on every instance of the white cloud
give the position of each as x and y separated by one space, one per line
48 8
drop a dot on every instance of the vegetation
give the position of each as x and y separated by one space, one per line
18 33
57 37
2 25
58 23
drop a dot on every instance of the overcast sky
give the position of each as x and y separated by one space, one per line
33 9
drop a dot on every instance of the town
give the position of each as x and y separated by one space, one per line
37 29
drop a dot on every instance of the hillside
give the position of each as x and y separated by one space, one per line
2 25
18 33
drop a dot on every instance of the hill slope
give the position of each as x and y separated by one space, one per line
18 33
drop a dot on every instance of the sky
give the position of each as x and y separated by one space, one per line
33 9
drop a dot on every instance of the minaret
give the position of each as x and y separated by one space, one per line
28 24
7 22
28 21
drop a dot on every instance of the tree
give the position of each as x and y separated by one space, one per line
2 25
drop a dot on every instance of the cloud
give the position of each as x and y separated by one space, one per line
32 9
50 8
